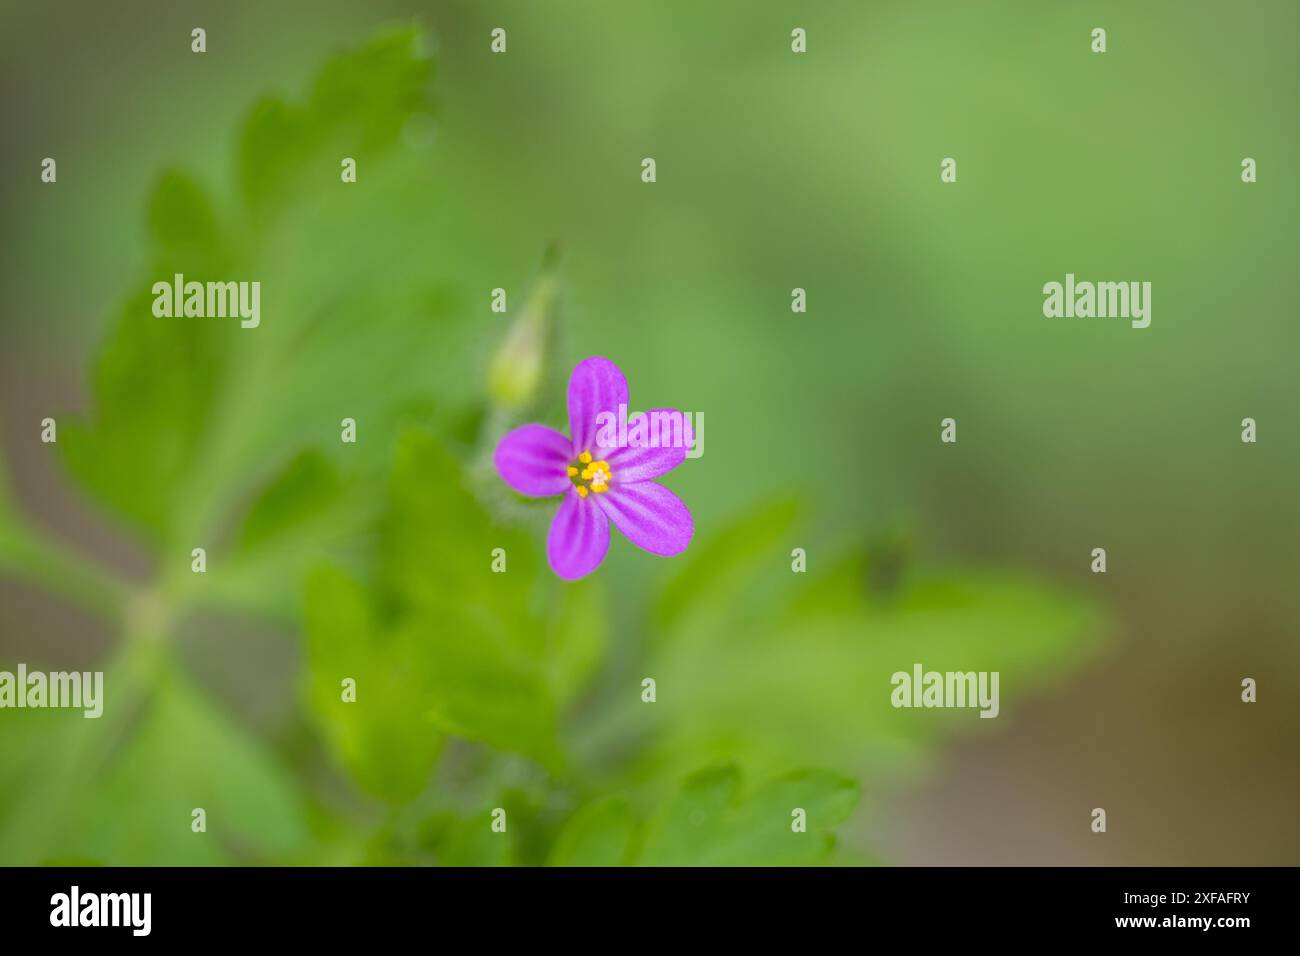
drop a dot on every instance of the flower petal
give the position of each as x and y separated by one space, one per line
652 517
579 537
532 460
663 447
595 386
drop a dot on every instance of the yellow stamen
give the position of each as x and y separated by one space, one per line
587 475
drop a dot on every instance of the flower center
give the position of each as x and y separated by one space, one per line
588 475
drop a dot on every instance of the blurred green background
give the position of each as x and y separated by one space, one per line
478 691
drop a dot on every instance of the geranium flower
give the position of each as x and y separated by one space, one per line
603 472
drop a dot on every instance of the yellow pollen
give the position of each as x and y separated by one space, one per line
588 475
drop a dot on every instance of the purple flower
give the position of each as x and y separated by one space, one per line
604 473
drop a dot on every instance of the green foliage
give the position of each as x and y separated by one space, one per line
306 488
205 434
711 822
193 418
444 645
120 789
189 754
386 739
471 842
717 572
474 689
602 833
808 676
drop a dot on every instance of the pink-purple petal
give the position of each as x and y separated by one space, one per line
579 537
595 386
668 436
650 516
533 460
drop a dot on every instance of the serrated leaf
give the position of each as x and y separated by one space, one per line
192 414
182 221
710 823
817 687
485 656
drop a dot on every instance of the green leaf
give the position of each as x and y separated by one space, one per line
717 571
357 107
274 142
385 737
438 542
155 386
186 754
77 787
479 690
483 635
472 842
577 642
368 95
182 220
602 833
191 416
711 823
456 648
307 510
308 486
817 686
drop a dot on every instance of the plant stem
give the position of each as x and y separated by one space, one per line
34 557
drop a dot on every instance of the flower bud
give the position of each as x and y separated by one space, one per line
517 368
